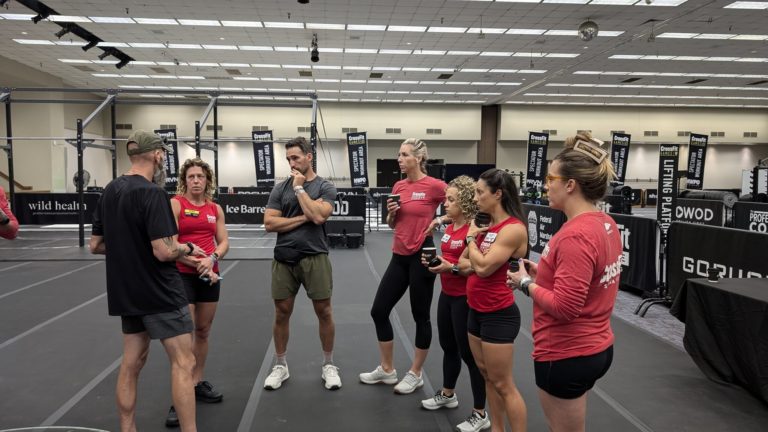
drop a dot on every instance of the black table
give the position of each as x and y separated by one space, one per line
726 330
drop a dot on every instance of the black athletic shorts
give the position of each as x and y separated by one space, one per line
200 291
572 377
501 326
161 325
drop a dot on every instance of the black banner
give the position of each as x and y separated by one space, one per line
697 152
313 143
537 155
171 160
699 211
244 208
357 146
265 158
694 248
638 240
651 195
349 205
751 216
620 154
351 191
52 208
667 192
543 223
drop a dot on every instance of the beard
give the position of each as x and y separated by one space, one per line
159 176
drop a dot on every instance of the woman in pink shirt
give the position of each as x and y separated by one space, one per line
574 285
410 218
9 226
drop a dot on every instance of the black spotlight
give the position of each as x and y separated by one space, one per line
89 45
314 54
39 17
122 63
64 30
304 1
105 54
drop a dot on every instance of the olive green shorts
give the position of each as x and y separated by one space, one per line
313 271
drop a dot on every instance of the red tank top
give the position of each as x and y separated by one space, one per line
490 293
197 224
452 245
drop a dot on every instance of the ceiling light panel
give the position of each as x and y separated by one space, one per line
402 28
446 30
156 21
196 22
112 20
285 25
321 26
747 5
244 24
366 27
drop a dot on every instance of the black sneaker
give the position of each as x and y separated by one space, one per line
172 421
204 392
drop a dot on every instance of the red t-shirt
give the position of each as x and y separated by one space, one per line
452 246
197 224
576 285
491 293
13 224
418 202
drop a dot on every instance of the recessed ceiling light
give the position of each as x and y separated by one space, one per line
561 33
331 50
184 46
463 53
394 51
254 48
196 22
112 20
291 49
720 36
495 54
221 47
33 41
747 5
486 30
406 28
360 51
68 18
156 21
293 25
322 26
17 17
366 27
357 67
446 30
525 31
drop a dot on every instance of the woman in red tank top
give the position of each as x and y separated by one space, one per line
201 221
494 319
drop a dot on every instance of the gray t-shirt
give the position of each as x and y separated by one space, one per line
307 239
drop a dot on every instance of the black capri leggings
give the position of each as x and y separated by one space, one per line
405 271
452 312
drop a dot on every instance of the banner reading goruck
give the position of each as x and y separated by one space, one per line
264 157
171 160
697 153
357 146
537 153
620 154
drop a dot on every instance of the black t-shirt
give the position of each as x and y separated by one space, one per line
307 239
131 213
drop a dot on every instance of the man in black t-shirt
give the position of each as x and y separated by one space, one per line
133 225
296 210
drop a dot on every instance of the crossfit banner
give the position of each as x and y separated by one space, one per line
695 248
751 216
638 239
244 208
699 211
265 158
667 192
537 159
620 154
543 223
313 143
357 146
171 160
52 208
697 153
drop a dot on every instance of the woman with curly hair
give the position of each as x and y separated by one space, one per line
452 308
200 221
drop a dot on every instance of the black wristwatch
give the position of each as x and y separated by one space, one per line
455 269
191 248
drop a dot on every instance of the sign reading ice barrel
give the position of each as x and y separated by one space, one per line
264 157
537 154
357 147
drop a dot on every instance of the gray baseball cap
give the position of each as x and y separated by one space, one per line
146 142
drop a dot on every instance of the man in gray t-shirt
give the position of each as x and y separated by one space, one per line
297 210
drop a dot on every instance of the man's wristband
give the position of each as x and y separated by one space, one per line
298 189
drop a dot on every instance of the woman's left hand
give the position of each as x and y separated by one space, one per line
205 265
474 230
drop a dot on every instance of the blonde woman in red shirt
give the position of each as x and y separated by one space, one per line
494 318
574 285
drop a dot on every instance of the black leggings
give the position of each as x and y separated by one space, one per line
452 314
404 271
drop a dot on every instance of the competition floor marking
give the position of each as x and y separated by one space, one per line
48 280
59 413
15 266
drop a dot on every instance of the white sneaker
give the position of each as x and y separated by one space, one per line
409 383
276 377
439 400
331 377
379 376
474 423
